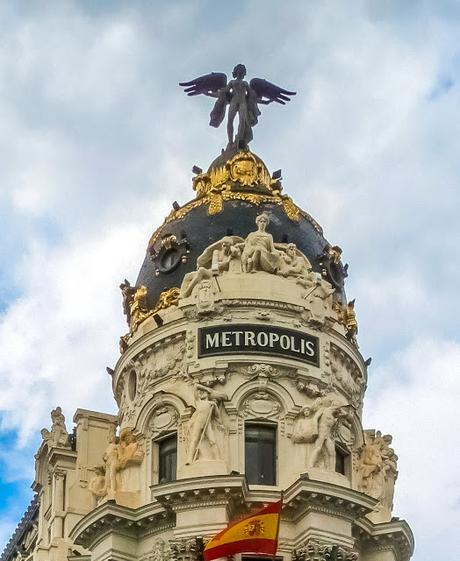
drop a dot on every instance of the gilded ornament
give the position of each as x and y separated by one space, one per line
139 310
349 321
244 169
167 298
218 177
216 204
168 241
227 195
201 184
292 210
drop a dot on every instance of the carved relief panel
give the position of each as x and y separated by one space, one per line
141 374
346 375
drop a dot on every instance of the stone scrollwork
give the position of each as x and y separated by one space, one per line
316 550
346 375
57 437
318 296
377 469
263 372
260 404
163 418
164 360
185 549
161 551
309 387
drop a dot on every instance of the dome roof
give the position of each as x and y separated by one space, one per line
234 191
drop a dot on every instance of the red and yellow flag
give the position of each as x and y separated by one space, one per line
257 533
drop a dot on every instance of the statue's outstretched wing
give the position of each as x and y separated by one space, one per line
267 92
209 84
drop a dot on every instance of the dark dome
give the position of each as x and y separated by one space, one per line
175 246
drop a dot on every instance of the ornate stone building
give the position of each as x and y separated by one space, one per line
240 376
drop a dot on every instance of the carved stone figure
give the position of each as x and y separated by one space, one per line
129 450
293 263
330 413
306 426
119 454
377 468
57 437
127 292
317 425
318 296
219 257
97 485
111 462
241 97
259 253
202 440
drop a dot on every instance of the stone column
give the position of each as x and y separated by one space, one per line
58 503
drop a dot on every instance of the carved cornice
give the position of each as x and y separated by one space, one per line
255 303
395 535
110 517
309 495
186 494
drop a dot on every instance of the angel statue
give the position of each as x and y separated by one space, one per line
241 97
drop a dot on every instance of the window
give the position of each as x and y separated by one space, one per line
340 461
167 459
260 454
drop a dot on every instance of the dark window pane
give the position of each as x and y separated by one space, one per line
260 454
167 459
340 459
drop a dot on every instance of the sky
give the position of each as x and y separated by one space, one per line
97 140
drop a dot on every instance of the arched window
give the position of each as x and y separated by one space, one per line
167 458
260 453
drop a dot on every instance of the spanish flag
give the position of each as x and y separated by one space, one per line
256 533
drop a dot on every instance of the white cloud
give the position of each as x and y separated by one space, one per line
57 338
97 141
417 402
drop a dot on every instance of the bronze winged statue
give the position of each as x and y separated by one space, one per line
241 97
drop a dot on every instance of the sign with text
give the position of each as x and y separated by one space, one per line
257 339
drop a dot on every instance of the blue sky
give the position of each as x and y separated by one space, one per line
97 140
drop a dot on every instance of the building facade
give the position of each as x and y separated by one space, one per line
240 377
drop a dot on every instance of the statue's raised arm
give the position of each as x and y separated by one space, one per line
241 97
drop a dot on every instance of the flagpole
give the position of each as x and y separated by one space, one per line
278 525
